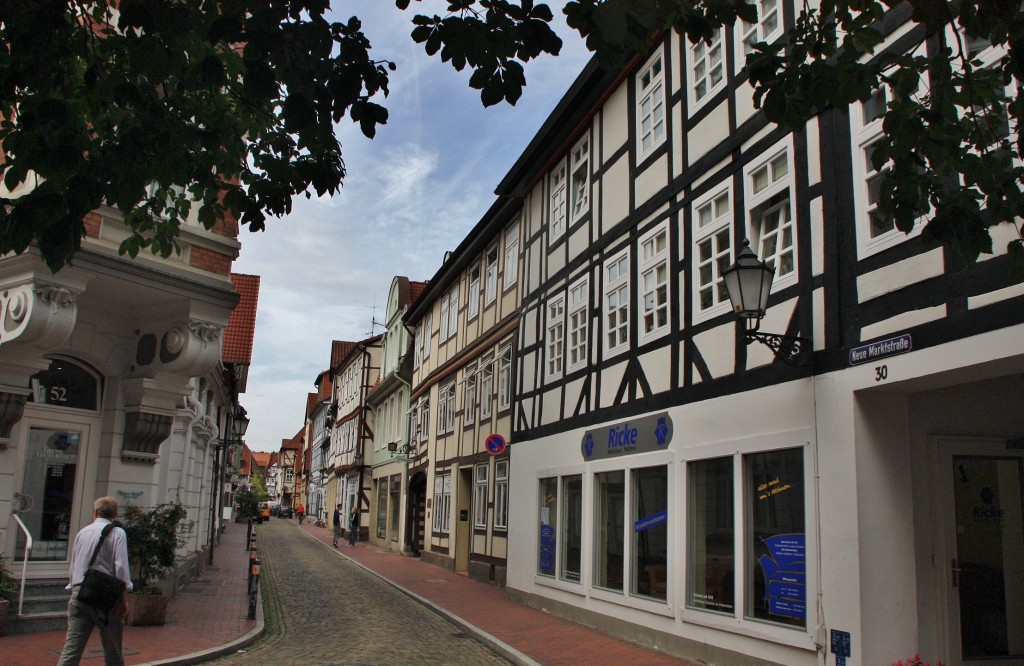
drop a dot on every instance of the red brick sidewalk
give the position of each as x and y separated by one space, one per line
205 619
525 635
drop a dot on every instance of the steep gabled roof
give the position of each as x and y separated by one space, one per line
241 329
339 350
415 289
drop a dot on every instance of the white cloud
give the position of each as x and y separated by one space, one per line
411 193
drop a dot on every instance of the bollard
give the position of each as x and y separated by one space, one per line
254 584
252 560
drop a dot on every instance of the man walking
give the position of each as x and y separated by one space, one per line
336 521
112 558
353 526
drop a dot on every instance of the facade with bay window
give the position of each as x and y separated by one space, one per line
682 487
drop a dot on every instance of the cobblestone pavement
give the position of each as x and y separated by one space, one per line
322 609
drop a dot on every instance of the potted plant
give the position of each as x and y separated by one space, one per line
8 593
153 542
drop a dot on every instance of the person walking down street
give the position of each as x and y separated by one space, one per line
336 521
353 526
301 513
111 558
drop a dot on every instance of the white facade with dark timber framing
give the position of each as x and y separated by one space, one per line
679 487
464 327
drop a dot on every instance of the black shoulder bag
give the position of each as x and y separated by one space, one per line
99 589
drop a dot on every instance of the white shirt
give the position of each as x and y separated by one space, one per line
112 558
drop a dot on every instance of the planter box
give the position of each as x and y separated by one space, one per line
147 610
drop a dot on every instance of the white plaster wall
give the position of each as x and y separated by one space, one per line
614 123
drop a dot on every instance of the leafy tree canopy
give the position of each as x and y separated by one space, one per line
230 105
259 486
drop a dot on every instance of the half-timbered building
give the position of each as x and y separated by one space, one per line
351 435
692 491
465 326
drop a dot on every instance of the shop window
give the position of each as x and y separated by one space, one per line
650 532
775 537
480 497
711 566
610 513
501 495
382 508
394 503
572 528
548 526
442 503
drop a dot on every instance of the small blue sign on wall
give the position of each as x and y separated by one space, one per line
876 350
840 646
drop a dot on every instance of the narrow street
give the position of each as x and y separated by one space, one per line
322 609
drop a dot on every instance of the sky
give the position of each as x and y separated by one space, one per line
411 194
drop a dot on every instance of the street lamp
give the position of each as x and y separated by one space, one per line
237 425
749 283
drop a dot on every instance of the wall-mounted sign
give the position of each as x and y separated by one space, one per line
640 435
495 444
876 350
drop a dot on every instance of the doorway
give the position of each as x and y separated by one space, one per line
983 534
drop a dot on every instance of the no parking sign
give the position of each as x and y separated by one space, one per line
495 444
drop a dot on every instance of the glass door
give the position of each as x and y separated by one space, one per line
985 548
50 492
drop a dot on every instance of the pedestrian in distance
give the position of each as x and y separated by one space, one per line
111 558
336 521
353 526
301 513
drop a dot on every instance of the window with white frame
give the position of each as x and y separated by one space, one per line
469 405
417 346
449 323
875 231
501 495
579 323
712 253
706 71
771 228
505 377
767 28
579 195
424 413
486 388
473 295
442 502
480 497
427 322
555 336
446 409
414 423
616 302
491 274
511 256
654 287
650 111
556 206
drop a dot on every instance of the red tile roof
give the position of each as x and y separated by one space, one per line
339 350
415 289
241 328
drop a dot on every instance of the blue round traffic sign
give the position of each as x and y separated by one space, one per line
495 444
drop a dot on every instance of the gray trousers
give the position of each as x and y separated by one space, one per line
81 620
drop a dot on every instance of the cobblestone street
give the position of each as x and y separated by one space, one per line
322 609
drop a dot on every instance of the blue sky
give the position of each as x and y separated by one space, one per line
411 194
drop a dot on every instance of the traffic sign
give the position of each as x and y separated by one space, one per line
495 444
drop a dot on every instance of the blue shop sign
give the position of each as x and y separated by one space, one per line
639 435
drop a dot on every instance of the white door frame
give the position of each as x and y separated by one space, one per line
944 448
56 418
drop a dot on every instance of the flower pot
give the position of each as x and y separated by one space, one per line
146 610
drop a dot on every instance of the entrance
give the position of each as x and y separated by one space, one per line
56 476
984 539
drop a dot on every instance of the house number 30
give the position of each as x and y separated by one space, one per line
881 373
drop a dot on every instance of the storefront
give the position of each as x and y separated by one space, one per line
759 526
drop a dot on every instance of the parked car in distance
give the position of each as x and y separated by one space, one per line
264 511
284 511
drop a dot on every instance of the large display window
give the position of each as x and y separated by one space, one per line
650 532
609 517
711 569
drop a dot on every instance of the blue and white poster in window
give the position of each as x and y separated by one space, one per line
785 574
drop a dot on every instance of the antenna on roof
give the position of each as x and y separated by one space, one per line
373 319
